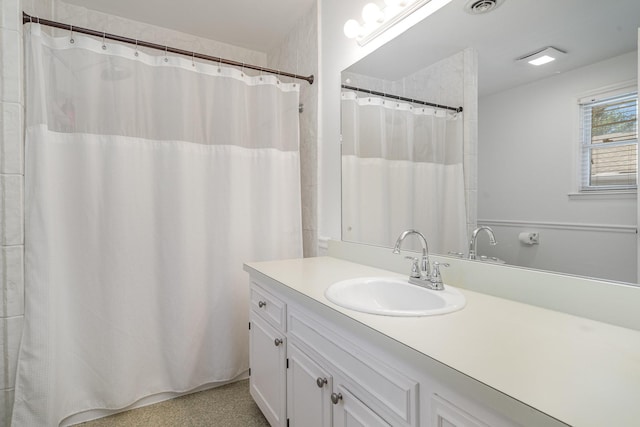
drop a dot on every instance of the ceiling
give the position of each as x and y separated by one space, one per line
588 30
253 24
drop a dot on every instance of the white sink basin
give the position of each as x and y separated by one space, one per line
393 297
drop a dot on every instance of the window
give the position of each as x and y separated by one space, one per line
609 142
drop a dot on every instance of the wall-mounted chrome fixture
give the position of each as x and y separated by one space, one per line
378 19
542 56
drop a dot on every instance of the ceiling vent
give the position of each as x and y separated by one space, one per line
477 7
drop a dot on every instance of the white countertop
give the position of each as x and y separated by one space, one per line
579 371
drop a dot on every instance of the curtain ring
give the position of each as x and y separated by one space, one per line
71 40
165 53
193 59
242 70
104 46
219 65
136 52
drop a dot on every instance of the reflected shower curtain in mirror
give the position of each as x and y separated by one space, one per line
149 181
402 168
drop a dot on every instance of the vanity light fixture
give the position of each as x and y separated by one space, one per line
543 56
377 20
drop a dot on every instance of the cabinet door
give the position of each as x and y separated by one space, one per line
445 414
308 391
267 358
349 411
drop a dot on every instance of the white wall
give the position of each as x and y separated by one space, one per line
527 167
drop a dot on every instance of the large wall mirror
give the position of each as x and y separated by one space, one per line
512 159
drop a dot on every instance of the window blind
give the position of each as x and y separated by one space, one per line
609 137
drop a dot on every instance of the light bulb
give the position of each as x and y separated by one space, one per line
371 13
352 28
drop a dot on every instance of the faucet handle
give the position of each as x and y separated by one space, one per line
436 277
415 267
436 266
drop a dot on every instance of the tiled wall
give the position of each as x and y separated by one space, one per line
470 102
298 53
11 141
11 185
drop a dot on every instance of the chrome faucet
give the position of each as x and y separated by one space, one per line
424 276
474 239
425 267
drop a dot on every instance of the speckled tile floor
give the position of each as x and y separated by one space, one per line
226 406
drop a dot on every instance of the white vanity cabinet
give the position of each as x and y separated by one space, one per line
324 378
361 389
496 363
307 371
314 399
309 389
267 355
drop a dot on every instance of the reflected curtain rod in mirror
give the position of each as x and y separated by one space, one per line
402 98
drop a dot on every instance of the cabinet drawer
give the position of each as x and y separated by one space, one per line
382 388
269 307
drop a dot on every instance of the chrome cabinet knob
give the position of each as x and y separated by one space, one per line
321 382
336 397
277 341
262 304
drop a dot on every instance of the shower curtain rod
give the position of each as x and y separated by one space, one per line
402 98
29 19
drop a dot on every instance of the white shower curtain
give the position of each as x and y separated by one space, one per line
402 168
149 181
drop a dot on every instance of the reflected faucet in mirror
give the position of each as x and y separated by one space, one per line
474 240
